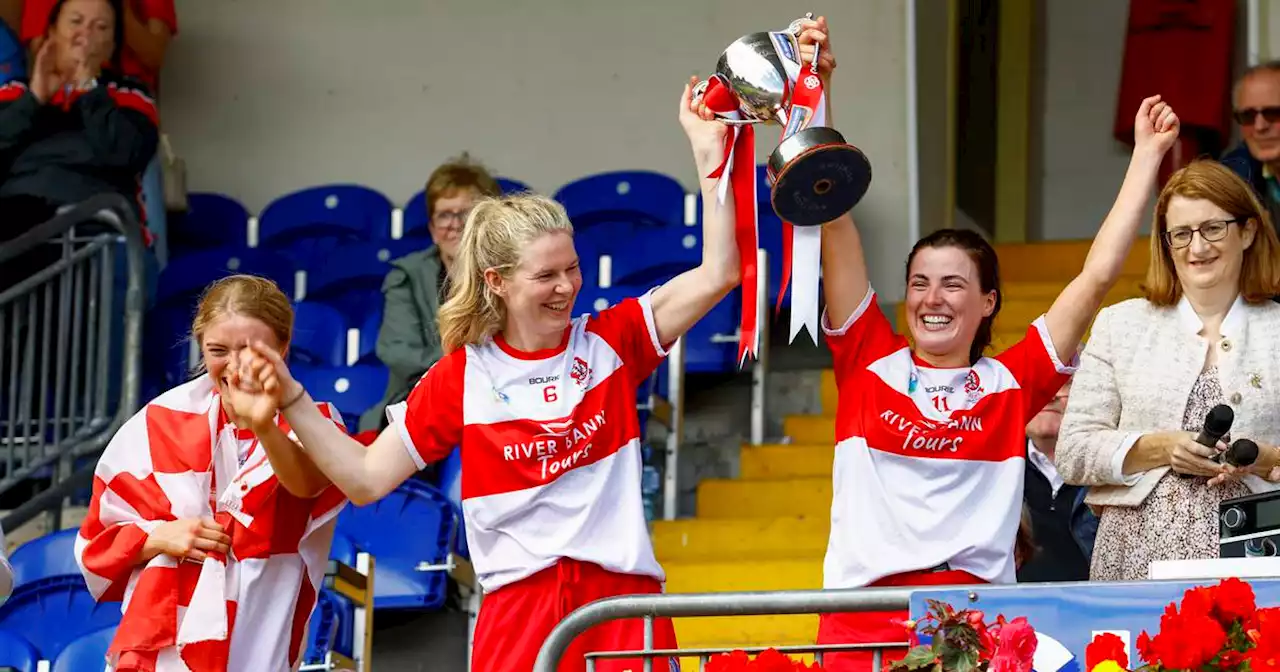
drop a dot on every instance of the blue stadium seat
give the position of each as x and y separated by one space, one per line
352 389
19 654
449 481
89 652
319 335
52 613
330 628
182 283
45 557
166 339
348 279
308 224
212 220
380 528
367 344
624 197
416 215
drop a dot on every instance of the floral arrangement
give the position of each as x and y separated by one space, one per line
1215 628
770 660
962 641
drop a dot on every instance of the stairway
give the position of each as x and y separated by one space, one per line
767 529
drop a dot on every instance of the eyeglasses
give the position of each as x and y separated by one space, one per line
1247 116
1211 232
450 219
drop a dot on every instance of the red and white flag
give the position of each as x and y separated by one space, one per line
180 458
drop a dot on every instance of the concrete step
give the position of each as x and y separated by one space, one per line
1061 260
746 539
810 429
736 498
713 577
786 460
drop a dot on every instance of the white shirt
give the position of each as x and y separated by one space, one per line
1045 466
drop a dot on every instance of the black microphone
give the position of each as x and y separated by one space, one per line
1216 425
1242 453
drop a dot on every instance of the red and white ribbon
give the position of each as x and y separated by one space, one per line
802 245
737 174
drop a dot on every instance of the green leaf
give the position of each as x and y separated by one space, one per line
918 658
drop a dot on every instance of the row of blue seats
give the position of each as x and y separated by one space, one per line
51 615
660 223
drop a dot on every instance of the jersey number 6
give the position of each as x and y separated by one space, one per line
549 394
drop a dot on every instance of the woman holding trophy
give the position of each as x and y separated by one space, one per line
543 407
929 460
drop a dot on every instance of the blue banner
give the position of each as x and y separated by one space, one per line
1067 617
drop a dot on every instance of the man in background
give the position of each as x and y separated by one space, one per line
1255 107
1062 525
409 339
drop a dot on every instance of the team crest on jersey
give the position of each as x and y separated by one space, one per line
972 387
581 372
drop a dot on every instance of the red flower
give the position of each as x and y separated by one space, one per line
736 661
1015 647
1146 648
1189 639
1233 601
1230 660
770 660
1106 646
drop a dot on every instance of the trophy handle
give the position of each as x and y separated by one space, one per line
794 29
701 88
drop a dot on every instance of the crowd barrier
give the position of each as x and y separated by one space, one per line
1065 616
65 384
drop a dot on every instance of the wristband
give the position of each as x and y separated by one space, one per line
302 392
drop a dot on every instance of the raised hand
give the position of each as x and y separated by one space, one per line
814 35
706 133
46 78
1155 127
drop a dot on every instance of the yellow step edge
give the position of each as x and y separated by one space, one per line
809 429
787 460
714 577
725 498
746 540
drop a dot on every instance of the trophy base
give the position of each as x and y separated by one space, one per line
817 176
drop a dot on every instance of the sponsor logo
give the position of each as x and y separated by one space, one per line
562 446
543 380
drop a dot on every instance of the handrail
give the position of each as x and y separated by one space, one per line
650 607
125 225
765 603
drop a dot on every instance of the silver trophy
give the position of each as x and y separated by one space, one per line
815 176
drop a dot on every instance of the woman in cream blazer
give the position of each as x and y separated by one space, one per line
1207 333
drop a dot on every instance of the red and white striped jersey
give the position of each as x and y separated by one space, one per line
929 462
248 610
550 445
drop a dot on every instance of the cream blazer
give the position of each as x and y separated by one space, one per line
1135 375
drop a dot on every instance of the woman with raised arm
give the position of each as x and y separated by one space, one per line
544 409
930 450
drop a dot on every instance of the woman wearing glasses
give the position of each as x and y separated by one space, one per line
1205 334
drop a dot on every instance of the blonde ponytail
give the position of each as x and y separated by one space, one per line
496 232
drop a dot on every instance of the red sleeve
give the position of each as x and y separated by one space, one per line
160 10
628 328
865 337
430 420
35 19
1034 363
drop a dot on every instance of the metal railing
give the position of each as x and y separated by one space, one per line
650 607
65 387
